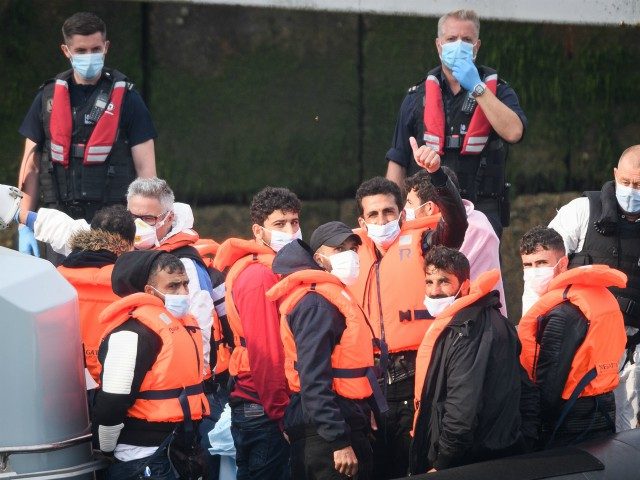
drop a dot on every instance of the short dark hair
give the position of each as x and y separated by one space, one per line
378 186
83 23
115 219
448 260
165 262
421 183
541 237
270 199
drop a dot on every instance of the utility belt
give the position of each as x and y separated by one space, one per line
400 366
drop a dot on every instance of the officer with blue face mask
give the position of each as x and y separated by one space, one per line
464 113
88 133
604 227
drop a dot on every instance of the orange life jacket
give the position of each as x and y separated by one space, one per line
238 254
93 285
478 289
434 122
207 248
395 282
586 288
181 239
352 357
177 368
104 134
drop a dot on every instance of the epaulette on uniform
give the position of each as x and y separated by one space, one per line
417 87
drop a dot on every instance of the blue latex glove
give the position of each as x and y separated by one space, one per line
466 73
27 242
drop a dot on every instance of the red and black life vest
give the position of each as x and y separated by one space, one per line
86 156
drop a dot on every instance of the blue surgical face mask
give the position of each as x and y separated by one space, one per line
628 198
88 65
177 305
457 50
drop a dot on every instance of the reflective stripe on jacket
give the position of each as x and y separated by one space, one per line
434 122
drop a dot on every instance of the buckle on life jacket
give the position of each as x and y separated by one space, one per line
453 141
77 150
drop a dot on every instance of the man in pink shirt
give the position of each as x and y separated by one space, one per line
481 245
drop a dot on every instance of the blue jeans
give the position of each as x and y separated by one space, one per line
216 404
159 469
261 450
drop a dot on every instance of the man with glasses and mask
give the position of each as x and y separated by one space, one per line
389 290
88 133
260 392
466 114
573 336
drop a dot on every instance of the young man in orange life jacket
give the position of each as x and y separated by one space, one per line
329 362
151 381
573 335
468 377
260 394
389 289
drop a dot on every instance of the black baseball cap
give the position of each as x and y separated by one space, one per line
331 234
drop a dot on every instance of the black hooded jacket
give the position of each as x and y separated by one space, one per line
470 403
317 326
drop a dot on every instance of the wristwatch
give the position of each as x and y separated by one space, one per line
479 89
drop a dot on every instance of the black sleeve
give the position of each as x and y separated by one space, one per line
565 328
508 96
136 119
32 127
120 389
453 225
466 366
400 151
317 326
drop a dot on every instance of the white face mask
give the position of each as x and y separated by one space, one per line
436 305
176 305
537 279
280 239
410 213
346 266
529 298
146 237
384 235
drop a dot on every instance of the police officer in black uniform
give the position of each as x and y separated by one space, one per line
477 156
88 133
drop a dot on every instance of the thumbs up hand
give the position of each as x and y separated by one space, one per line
424 156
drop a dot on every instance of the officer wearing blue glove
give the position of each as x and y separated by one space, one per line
465 113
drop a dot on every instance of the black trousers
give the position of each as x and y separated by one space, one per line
312 458
391 448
